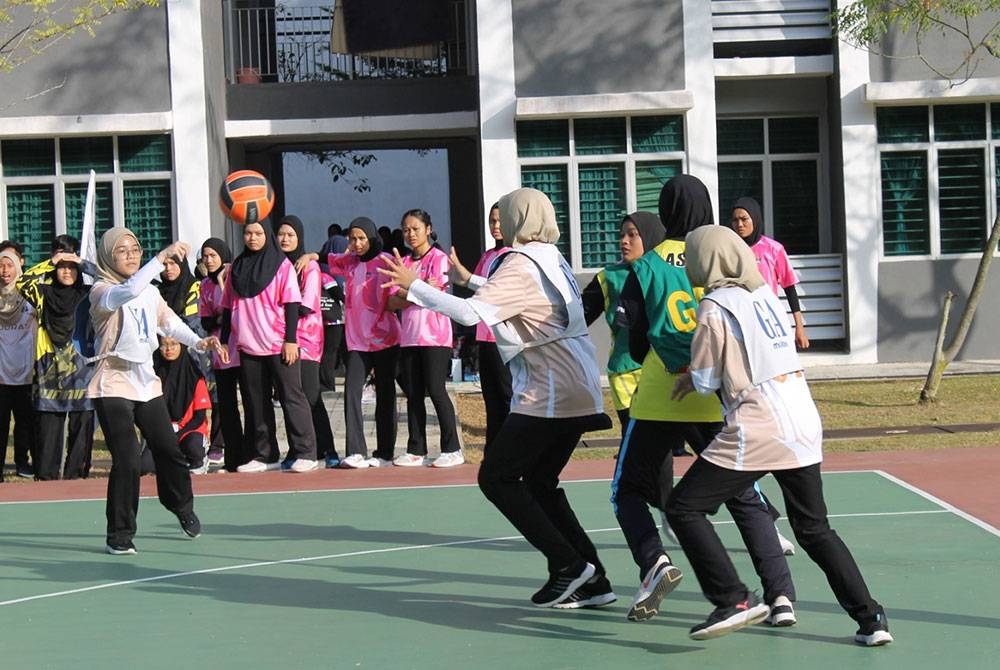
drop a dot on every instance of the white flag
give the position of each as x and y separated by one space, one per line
88 241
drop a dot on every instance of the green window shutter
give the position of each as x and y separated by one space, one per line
599 136
901 124
31 220
738 180
793 136
80 155
905 209
959 122
961 199
148 214
28 158
144 153
553 181
542 139
995 121
76 201
795 221
602 208
740 137
649 180
651 134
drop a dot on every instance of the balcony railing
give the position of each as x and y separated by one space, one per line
299 44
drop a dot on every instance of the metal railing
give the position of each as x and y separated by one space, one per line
297 44
770 20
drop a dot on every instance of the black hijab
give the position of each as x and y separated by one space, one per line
684 206
175 292
59 307
179 378
220 247
295 223
252 271
367 226
650 228
756 215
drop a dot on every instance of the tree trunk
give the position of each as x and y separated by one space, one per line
944 355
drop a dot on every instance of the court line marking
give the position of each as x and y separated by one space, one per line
368 552
351 490
938 501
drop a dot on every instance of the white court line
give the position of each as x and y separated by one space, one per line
937 501
368 552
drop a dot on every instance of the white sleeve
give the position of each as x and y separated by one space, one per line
458 309
119 294
475 282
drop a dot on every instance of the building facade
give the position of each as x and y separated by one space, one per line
878 175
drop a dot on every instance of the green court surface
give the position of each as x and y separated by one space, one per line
436 578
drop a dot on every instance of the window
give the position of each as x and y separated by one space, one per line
44 188
595 171
775 161
938 177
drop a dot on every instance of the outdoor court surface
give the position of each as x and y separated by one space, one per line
402 569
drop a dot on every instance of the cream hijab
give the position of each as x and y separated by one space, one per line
527 215
717 257
105 257
11 299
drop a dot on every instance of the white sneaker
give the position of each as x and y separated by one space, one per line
448 459
786 545
659 580
302 465
368 395
354 461
258 466
782 613
200 470
376 462
409 461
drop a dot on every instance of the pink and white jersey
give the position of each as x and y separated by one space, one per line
258 323
422 327
773 263
483 332
310 329
209 305
367 324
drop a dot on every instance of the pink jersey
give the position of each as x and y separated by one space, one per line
367 324
421 326
209 305
483 332
258 323
310 329
773 263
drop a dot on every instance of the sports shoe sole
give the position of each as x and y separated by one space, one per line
648 607
876 639
752 616
781 618
599 600
119 552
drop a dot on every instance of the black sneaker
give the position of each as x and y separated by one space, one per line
190 524
595 593
782 613
25 472
725 620
562 584
120 548
874 632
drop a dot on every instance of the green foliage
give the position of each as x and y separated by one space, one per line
975 24
30 27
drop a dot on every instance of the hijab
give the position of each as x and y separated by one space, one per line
684 205
295 223
367 226
756 215
59 306
179 378
11 300
175 292
650 228
527 215
105 258
252 271
716 257
220 247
